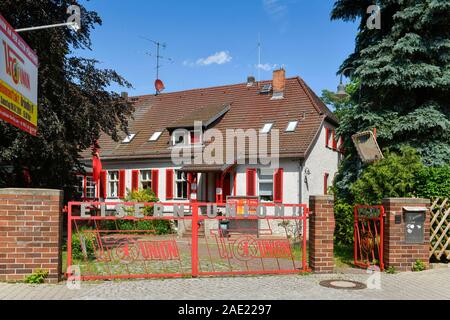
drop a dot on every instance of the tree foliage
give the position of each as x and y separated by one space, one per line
393 176
404 72
74 105
434 182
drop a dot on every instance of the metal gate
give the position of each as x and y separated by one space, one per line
141 240
369 237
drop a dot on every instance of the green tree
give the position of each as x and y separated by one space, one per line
340 105
393 176
404 70
74 105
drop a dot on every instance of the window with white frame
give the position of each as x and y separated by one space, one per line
265 184
146 179
181 185
80 186
113 183
85 187
90 187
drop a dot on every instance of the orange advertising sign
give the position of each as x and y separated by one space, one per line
18 80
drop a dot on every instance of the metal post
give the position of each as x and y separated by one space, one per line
74 25
305 216
69 236
194 258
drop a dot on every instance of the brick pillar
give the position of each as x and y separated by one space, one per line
321 233
30 233
398 253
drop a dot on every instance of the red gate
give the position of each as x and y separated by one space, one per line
142 240
368 233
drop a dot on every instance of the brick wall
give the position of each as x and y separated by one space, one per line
30 233
397 253
321 233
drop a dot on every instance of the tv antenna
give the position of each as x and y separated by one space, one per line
259 58
159 86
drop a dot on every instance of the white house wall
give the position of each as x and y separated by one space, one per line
321 160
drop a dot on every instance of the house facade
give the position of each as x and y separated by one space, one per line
196 145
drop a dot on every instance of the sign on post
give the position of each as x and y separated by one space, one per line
18 80
367 146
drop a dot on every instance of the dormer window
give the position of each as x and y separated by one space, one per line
196 137
267 127
129 138
180 137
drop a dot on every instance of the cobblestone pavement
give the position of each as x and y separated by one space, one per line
431 284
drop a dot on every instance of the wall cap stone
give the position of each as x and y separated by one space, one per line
421 201
31 192
322 197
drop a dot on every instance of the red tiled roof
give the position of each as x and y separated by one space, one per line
248 109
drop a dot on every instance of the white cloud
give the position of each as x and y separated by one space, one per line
266 66
221 57
275 9
278 12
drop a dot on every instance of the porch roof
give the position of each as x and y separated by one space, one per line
205 168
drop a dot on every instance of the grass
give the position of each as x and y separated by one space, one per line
343 256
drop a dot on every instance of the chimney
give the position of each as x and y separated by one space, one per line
278 83
250 81
124 95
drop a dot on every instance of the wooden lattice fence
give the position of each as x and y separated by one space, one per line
440 229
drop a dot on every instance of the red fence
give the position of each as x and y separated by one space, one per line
141 240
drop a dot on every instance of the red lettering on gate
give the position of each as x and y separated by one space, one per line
159 250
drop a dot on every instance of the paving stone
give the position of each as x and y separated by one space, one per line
427 285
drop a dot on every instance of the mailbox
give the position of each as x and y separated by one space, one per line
414 218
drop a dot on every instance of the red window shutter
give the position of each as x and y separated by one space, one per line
325 183
251 182
327 136
103 184
334 140
278 186
155 181
122 176
135 180
169 183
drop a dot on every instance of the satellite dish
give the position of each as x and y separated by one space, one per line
159 85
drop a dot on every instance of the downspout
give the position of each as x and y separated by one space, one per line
300 182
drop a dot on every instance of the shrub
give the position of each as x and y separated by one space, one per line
343 214
391 270
143 195
393 176
433 182
37 277
419 265
87 239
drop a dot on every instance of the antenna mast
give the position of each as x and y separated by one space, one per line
159 45
259 58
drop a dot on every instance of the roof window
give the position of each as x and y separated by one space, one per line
129 138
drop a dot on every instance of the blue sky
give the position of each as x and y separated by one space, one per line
215 42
